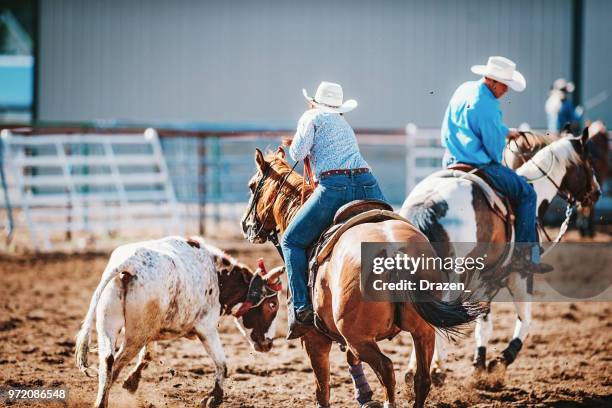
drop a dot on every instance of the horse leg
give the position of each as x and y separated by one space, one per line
318 347
482 333
369 352
363 392
424 343
522 302
440 354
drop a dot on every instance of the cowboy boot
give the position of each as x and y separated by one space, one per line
300 322
521 262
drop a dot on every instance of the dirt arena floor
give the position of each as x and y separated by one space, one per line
566 361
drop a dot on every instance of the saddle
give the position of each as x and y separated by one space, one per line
498 202
349 215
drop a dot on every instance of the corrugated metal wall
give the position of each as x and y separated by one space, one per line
246 61
597 59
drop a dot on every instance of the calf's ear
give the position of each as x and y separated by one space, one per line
241 309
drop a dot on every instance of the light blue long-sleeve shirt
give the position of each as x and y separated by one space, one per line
328 140
472 129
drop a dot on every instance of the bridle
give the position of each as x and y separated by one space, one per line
271 235
567 196
545 174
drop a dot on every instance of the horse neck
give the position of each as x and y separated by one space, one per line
289 201
530 144
544 188
234 280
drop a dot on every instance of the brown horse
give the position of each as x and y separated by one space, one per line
337 300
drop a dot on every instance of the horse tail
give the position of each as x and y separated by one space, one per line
446 316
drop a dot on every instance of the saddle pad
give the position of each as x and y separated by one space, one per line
371 216
356 207
494 200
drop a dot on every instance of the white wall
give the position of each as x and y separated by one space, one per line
246 61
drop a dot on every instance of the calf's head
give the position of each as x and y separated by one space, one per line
252 298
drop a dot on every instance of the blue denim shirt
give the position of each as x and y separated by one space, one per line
329 141
472 129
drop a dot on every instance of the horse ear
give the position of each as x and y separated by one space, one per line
583 141
259 159
585 135
280 152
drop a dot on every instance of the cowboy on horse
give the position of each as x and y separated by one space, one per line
473 133
325 139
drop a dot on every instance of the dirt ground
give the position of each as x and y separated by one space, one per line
566 361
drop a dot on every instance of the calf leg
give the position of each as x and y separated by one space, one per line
145 356
209 336
318 347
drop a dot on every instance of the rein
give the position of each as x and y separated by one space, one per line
546 174
272 235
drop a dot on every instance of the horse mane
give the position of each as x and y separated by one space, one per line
563 151
289 200
538 139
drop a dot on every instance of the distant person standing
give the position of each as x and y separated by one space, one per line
560 110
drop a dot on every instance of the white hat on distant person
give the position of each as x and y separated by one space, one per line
329 98
502 70
562 84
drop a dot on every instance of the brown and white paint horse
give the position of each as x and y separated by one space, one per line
454 210
275 199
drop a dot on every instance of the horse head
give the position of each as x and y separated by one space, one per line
268 209
565 167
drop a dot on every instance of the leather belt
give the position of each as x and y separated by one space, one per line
345 172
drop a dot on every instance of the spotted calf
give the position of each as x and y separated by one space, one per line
170 288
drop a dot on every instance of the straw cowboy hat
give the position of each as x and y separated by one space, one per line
502 70
329 98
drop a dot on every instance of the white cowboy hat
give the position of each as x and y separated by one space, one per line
502 70
561 84
329 98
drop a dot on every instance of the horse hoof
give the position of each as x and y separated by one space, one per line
438 377
372 404
409 377
210 402
497 366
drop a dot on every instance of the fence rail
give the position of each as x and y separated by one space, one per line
97 180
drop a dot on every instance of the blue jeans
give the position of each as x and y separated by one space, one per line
313 218
523 199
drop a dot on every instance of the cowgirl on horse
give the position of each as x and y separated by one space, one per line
328 142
